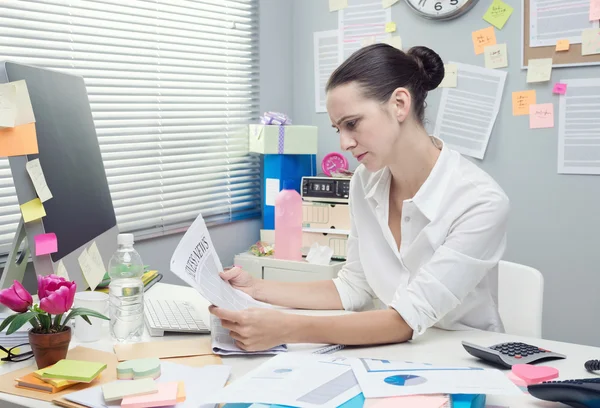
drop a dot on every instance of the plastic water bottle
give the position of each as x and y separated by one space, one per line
288 223
126 292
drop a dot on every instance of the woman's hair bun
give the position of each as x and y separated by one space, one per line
430 64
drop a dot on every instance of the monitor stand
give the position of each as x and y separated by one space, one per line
18 258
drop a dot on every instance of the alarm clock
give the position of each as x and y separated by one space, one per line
441 9
333 163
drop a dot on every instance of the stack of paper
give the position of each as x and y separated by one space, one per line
21 336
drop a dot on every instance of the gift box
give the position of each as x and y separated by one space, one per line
282 139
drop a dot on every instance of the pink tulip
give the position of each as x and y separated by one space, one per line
16 298
56 294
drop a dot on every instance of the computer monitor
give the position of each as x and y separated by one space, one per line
81 210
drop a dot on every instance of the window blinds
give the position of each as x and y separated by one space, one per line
171 84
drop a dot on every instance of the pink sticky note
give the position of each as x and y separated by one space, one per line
413 401
594 10
45 244
541 116
166 396
559 89
518 381
534 374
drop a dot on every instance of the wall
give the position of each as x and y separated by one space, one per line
554 221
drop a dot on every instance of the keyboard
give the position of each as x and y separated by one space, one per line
581 393
168 315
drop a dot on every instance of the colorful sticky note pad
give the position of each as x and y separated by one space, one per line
483 38
45 244
590 41
563 45
496 56
539 70
166 396
75 370
594 10
116 390
498 13
521 102
559 89
390 27
541 116
18 141
335 5
32 210
394 41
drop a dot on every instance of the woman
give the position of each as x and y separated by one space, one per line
428 226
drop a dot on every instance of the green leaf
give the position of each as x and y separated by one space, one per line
7 321
46 321
87 319
19 321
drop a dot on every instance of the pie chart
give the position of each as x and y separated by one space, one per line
405 380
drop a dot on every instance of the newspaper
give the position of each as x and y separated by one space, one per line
196 262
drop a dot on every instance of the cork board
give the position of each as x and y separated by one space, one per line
569 58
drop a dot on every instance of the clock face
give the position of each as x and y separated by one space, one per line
441 9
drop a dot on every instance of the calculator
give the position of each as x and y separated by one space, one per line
508 354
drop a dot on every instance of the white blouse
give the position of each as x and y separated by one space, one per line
453 234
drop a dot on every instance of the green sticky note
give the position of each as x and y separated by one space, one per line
75 370
498 13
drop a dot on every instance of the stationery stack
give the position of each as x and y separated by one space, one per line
60 376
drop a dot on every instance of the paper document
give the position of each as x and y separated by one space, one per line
298 380
579 127
8 105
385 378
326 60
362 19
550 21
34 169
467 113
223 344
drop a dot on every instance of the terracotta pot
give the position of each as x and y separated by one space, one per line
48 349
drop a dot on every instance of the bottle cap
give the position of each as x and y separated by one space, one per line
289 184
125 239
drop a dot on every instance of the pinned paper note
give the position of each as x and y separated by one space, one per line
498 13
483 38
45 244
18 141
34 168
541 116
559 89
594 10
8 105
394 41
335 5
521 102
450 76
388 3
496 56
539 70
368 40
92 266
62 271
590 41
562 45
33 210
390 27
24 109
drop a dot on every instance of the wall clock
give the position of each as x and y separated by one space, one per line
441 9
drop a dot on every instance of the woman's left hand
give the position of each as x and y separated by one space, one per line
254 329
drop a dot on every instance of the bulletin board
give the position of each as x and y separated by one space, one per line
569 58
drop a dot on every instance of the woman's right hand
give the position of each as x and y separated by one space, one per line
240 279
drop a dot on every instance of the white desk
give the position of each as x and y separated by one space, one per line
435 346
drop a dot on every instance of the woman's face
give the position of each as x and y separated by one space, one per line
367 128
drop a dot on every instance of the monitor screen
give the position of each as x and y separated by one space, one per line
81 208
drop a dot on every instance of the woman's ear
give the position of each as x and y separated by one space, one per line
401 102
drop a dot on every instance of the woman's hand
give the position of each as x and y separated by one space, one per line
240 279
255 329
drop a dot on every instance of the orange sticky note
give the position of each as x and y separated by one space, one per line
541 116
181 392
562 45
521 101
18 141
483 38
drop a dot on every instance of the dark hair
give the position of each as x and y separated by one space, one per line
380 68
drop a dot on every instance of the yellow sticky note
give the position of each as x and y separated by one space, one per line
388 3
450 76
590 41
483 38
33 210
390 27
394 41
562 45
521 102
335 5
92 266
539 70
496 56
541 116
498 13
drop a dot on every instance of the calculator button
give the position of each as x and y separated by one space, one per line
517 356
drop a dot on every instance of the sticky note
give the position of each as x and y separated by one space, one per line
181 392
590 41
139 368
539 70
394 41
335 5
368 40
33 210
8 105
534 374
166 395
388 3
390 27
594 10
563 45
75 370
116 390
521 102
61 271
496 56
92 266
34 168
559 89
18 141
450 76
483 38
498 13
24 109
45 244
541 116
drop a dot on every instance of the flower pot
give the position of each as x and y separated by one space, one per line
48 349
